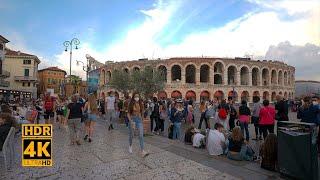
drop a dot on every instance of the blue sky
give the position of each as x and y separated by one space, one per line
131 29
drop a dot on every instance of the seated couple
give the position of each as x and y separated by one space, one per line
234 146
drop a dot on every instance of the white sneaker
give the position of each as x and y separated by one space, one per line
144 153
130 149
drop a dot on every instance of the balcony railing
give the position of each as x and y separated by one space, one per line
25 78
4 74
4 83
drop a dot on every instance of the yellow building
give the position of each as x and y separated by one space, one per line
51 78
23 70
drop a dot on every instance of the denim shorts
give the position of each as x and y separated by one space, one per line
92 117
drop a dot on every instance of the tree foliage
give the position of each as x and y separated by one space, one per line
146 81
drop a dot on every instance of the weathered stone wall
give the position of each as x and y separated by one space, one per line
277 77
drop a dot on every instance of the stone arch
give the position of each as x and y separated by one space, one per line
190 73
219 95
285 95
285 78
162 95
234 95
136 69
244 75
280 78
273 96
176 73
163 72
232 75
245 96
265 77
191 95
255 94
266 95
205 95
218 72
289 78
103 75
126 70
108 76
273 76
204 73
176 94
280 93
255 76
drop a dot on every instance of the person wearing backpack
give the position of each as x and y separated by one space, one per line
244 118
222 117
48 107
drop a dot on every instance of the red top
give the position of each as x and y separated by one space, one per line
267 115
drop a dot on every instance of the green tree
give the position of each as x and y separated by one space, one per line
75 81
146 81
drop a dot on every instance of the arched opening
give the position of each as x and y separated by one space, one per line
218 73
255 94
273 96
162 95
163 72
245 96
273 77
176 73
204 96
266 95
103 75
280 78
191 95
176 94
232 71
285 78
136 69
190 74
126 70
285 95
234 95
255 77
244 76
289 78
280 93
265 77
204 73
108 76
219 95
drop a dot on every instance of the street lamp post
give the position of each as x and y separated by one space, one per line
67 44
86 68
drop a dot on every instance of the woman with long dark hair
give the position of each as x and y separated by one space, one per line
269 153
135 114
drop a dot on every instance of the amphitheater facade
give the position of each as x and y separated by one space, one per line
208 78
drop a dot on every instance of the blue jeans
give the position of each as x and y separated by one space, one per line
139 125
244 126
246 154
176 130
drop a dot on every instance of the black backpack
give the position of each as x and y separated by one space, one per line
155 111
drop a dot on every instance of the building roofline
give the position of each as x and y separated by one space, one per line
4 39
48 68
311 81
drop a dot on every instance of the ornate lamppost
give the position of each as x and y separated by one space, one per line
67 44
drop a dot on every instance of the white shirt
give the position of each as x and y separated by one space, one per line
215 138
197 140
110 102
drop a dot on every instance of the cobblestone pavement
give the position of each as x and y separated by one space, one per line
107 157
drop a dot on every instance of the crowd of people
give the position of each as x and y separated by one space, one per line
226 129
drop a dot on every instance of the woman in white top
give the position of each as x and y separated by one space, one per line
91 108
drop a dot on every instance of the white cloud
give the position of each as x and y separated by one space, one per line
251 34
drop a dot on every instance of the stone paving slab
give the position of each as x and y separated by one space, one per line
107 157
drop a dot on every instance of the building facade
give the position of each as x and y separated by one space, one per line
3 73
23 70
51 78
75 85
208 78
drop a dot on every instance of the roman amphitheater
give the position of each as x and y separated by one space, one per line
208 78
